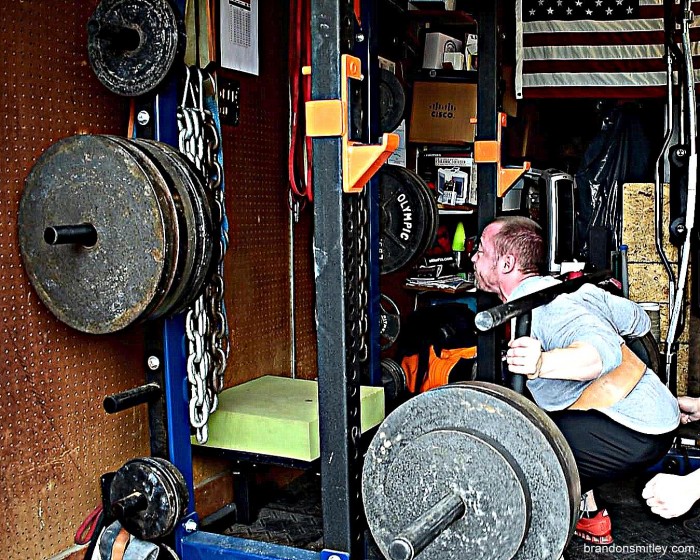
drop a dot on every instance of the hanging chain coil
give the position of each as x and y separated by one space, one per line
206 323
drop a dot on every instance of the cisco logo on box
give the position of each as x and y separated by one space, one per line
442 110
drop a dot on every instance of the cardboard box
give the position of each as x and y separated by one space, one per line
452 174
441 112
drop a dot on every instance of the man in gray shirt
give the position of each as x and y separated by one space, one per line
615 413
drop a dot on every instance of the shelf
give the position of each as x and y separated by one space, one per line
455 210
442 17
444 75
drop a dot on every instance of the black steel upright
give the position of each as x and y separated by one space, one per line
488 362
366 49
338 374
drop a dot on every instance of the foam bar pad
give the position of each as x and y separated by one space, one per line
278 416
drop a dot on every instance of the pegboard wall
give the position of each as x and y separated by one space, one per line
258 265
56 440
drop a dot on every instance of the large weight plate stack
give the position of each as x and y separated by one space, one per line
408 218
490 450
153 220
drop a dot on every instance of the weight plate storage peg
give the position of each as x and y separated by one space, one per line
148 496
132 44
470 470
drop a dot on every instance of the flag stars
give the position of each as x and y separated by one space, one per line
569 11
589 12
630 10
599 3
609 11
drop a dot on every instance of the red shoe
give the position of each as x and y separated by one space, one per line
596 529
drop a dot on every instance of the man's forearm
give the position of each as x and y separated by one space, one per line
579 362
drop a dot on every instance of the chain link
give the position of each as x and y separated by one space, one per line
206 324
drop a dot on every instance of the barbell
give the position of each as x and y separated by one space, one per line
470 470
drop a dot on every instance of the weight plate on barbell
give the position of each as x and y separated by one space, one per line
556 439
132 44
509 441
90 179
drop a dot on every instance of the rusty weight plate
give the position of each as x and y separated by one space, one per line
193 232
173 220
132 44
207 250
90 179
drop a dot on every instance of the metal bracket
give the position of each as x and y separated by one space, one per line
334 555
329 117
489 151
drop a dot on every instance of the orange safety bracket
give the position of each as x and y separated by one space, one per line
329 117
489 151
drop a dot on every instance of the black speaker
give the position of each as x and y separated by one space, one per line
599 247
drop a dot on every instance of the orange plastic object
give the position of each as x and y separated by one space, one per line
489 151
329 117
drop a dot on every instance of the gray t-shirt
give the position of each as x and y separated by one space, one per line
601 319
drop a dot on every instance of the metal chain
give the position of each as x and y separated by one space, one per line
356 284
206 324
363 275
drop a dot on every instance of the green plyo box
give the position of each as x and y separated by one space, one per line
278 416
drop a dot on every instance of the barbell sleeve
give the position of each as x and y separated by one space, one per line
426 528
80 234
129 505
496 316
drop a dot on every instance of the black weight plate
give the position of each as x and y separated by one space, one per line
431 210
207 246
174 250
464 407
393 380
647 349
404 220
164 489
392 101
132 44
190 243
89 179
389 321
444 462
556 439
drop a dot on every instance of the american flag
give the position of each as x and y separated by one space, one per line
593 48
